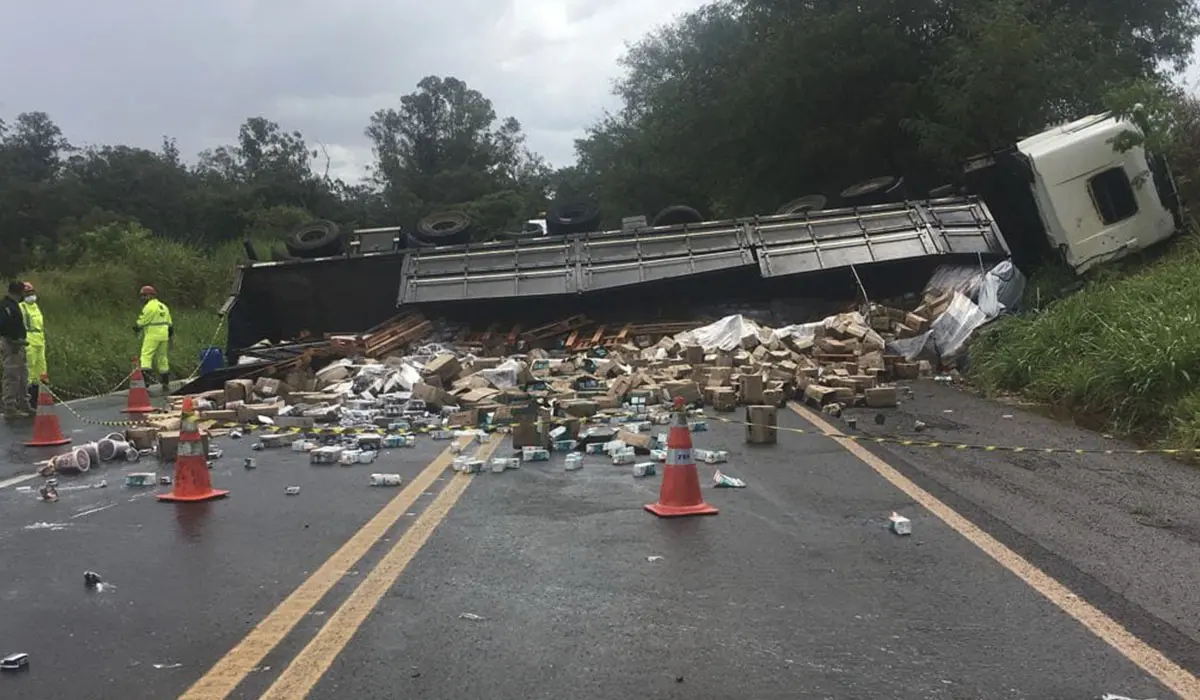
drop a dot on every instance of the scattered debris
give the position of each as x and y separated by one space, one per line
49 491
91 579
292 491
644 469
723 481
385 480
471 616
919 426
711 456
899 524
15 662
138 480
501 464
167 666
250 463
653 558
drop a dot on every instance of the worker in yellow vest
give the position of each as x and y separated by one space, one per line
158 337
35 334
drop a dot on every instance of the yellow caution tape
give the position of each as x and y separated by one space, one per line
908 442
117 387
878 440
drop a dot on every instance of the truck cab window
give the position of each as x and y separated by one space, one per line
1112 193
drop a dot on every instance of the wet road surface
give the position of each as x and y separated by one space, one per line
796 589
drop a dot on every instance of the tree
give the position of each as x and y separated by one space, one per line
744 104
442 147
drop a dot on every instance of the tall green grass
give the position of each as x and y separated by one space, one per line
1126 349
90 307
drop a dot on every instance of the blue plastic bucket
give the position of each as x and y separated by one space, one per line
211 359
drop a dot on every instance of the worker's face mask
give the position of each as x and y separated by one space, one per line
31 298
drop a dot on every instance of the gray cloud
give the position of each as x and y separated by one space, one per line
132 71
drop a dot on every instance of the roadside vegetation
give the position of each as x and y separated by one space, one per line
1123 352
732 109
90 304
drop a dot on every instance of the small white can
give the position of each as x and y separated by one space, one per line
500 464
624 457
899 524
385 479
535 454
644 469
292 491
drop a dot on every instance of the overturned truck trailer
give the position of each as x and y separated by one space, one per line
646 272
1064 193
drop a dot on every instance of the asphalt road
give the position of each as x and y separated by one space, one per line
544 583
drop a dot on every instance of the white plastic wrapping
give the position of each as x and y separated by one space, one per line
505 375
947 333
726 334
1001 289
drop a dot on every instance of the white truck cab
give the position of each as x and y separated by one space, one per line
1093 204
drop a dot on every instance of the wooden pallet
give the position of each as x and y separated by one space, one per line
388 336
604 337
550 330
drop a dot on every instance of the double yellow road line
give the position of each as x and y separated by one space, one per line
302 673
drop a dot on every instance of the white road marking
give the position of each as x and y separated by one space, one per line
16 480
93 510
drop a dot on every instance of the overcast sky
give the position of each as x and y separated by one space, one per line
132 71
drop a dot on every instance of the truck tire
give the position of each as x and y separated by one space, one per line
677 214
572 216
871 191
445 228
812 202
316 239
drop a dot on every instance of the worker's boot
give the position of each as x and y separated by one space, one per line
33 397
165 378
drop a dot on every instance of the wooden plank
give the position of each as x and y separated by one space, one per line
557 328
412 335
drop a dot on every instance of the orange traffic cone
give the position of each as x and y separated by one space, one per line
46 430
139 398
680 492
192 481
